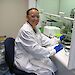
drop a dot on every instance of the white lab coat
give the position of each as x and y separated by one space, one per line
32 50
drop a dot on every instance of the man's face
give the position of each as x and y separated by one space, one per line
33 17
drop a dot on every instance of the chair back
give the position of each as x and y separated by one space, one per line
9 52
9 57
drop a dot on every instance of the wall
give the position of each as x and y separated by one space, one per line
32 3
55 6
12 16
50 6
66 6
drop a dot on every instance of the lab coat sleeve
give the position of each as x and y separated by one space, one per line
31 46
46 41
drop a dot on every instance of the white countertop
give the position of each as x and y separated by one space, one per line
63 57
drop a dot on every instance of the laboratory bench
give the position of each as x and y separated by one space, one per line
64 59
61 60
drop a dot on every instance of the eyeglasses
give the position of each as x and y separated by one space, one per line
33 16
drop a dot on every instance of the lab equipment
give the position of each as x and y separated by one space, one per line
51 30
72 13
69 43
58 48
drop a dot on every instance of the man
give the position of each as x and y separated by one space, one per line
33 49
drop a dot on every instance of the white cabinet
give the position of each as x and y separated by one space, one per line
71 64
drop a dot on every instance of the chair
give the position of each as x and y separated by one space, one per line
9 57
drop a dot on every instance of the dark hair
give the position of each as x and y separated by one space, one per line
27 13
